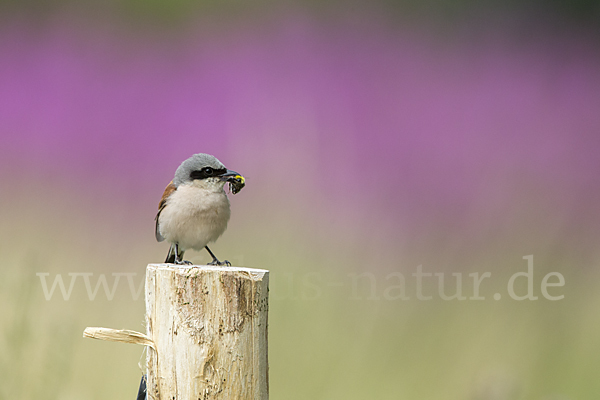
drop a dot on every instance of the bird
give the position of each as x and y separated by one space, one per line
194 209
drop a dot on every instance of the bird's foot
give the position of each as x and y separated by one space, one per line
215 261
220 263
183 262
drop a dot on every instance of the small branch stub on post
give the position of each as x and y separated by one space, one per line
117 335
209 330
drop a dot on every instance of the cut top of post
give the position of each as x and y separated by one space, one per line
258 273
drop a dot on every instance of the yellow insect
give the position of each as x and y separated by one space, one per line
236 183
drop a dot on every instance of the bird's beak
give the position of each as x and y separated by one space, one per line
233 177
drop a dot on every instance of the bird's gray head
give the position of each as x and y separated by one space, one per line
198 166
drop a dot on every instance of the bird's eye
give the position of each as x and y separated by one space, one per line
203 173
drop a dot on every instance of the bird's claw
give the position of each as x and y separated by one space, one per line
220 263
183 262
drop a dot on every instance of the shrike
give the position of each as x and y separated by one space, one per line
194 209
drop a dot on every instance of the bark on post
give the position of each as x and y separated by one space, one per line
209 329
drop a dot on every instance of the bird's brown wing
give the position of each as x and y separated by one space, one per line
163 202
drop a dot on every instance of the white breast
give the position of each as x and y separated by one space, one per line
194 217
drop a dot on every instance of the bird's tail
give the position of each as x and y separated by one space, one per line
174 254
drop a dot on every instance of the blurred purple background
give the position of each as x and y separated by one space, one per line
350 113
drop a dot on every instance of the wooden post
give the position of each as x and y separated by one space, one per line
209 330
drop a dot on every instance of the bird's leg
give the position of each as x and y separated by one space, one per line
178 257
215 261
